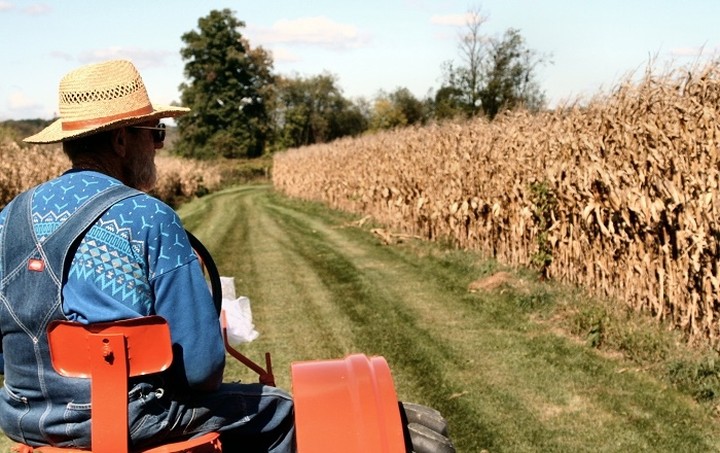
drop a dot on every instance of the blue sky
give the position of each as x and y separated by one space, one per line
369 45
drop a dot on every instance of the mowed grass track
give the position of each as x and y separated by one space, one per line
495 363
322 287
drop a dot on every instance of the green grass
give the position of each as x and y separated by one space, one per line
521 366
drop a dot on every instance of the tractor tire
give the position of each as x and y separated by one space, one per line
425 429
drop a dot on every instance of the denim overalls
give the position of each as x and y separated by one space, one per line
37 405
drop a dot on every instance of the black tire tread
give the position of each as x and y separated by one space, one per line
425 440
426 416
425 429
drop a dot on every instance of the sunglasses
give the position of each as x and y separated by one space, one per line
158 132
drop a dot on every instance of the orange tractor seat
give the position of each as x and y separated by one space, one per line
116 351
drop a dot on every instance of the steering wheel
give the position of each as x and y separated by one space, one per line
210 268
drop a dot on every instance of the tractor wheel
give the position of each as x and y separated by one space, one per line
425 429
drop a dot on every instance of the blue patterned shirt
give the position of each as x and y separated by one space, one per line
134 261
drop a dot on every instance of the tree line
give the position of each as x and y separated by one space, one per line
242 108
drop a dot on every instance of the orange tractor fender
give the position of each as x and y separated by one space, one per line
347 405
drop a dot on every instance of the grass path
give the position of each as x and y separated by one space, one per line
322 288
495 363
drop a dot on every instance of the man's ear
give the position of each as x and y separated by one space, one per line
119 139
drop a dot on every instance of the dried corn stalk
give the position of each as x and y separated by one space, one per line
634 175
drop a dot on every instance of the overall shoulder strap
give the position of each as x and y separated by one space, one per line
17 224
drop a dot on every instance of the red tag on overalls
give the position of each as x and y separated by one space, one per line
36 265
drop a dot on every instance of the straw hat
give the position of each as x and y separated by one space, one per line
102 96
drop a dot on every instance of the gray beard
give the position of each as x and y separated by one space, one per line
141 173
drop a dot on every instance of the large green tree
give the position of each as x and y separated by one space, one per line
227 87
412 108
510 79
396 109
447 103
492 74
311 110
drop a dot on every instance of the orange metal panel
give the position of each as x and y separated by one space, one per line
347 405
149 345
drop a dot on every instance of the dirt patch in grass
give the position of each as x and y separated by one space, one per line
499 281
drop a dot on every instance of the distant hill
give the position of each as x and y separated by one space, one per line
19 129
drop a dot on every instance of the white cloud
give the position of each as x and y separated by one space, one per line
33 9
37 9
452 20
142 58
18 101
21 106
315 31
283 55
693 52
63 55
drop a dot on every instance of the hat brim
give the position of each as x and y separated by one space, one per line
55 133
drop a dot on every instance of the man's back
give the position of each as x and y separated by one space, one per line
135 251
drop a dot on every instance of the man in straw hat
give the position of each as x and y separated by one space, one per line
91 246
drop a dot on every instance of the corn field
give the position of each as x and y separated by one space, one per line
618 195
22 168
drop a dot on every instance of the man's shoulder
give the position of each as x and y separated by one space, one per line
145 212
74 187
144 204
